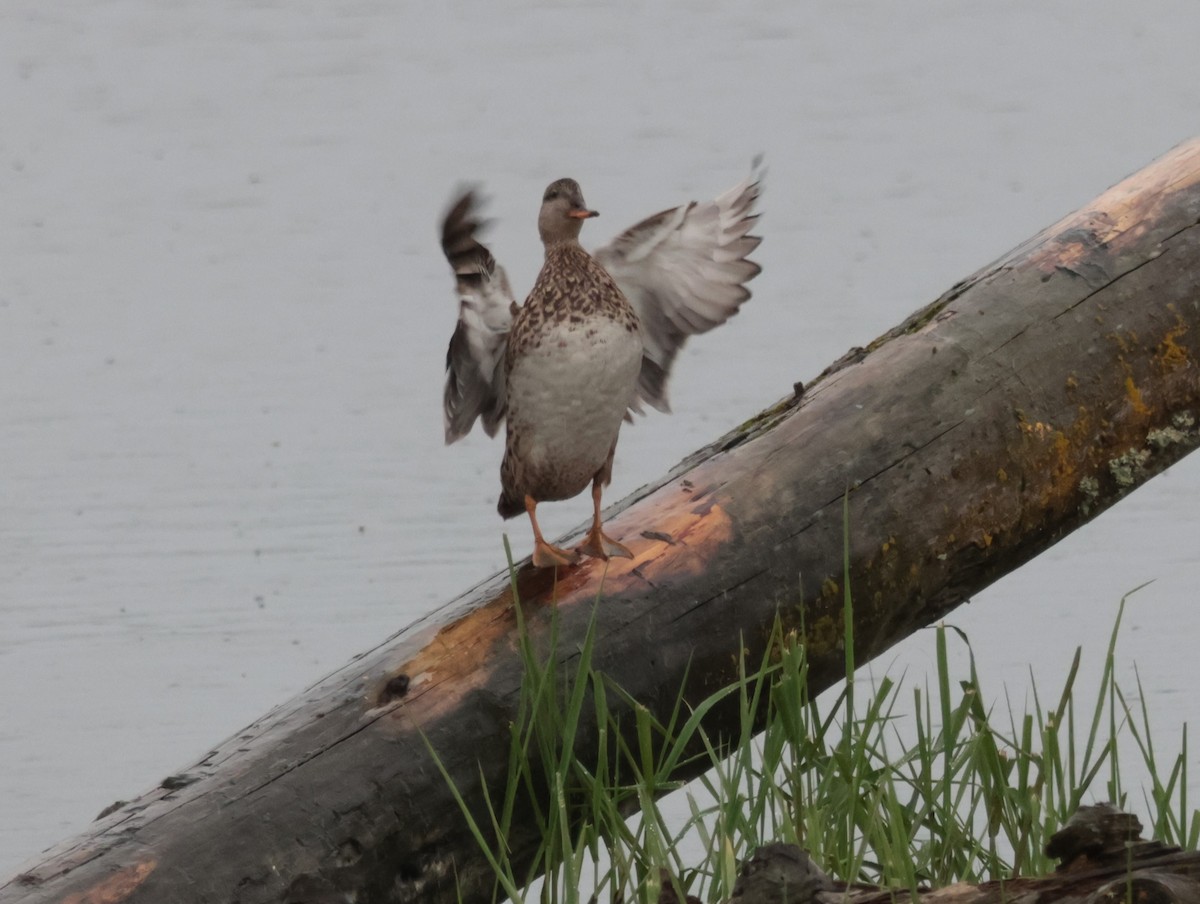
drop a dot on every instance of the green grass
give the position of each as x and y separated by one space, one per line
948 788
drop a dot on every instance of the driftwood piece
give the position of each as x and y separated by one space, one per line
1102 860
782 872
1015 408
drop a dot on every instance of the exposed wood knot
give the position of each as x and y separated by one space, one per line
349 852
395 689
414 880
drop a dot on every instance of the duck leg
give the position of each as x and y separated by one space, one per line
546 555
598 544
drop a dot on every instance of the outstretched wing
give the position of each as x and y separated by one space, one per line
475 359
684 271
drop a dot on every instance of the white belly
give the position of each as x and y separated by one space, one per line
566 400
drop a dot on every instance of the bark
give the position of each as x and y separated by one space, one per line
1021 404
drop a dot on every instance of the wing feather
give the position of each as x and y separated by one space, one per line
684 271
475 358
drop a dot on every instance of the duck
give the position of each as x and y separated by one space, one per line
593 343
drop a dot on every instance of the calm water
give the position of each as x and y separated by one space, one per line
223 314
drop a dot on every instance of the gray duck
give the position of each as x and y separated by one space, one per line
595 339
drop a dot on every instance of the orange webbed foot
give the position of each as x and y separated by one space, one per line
546 555
599 545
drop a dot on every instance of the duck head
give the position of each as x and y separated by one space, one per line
563 212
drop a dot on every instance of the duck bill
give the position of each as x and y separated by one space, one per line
583 214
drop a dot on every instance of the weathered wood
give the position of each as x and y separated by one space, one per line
1007 413
1102 860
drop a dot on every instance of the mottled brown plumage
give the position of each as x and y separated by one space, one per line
571 366
573 298
573 287
596 336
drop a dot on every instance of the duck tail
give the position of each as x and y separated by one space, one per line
510 506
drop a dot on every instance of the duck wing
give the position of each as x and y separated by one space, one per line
685 270
475 358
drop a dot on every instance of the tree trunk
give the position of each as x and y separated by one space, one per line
1010 411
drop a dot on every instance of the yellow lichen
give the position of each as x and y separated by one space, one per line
1059 442
824 636
1135 397
1171 354
1038 429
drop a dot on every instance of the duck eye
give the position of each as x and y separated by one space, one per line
550 196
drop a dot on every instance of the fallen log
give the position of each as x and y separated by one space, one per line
1102 860
1019 405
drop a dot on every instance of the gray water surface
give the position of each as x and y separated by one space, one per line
223 314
